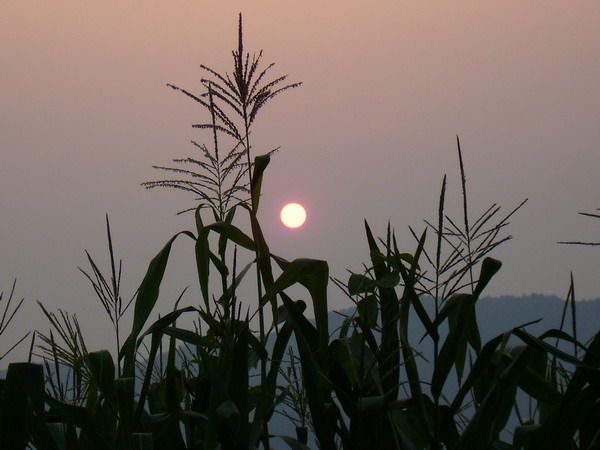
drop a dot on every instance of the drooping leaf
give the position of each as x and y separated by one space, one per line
360 284
232 233
260 164
145 301
489 268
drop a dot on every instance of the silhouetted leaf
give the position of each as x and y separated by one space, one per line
145 301
360 284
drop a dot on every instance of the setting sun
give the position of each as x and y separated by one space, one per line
293 215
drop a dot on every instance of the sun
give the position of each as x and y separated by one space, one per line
293 215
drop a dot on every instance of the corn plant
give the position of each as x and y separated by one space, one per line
220 390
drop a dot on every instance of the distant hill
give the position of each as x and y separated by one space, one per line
498 314
502 313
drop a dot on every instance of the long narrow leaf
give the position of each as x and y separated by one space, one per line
145 301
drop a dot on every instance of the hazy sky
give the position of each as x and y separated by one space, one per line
85 113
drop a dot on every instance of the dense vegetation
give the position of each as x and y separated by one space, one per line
219 384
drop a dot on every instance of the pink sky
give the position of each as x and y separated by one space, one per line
387 87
